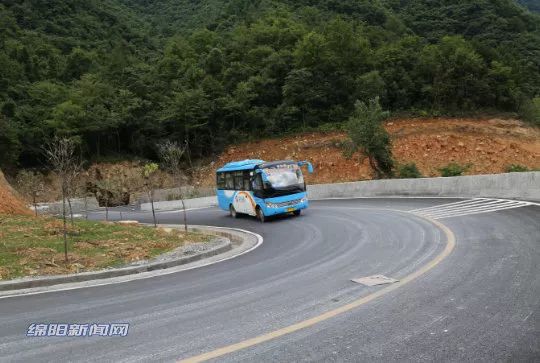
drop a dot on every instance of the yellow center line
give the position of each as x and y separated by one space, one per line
450 244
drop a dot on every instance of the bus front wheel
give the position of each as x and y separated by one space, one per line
297 212
232 211
260 215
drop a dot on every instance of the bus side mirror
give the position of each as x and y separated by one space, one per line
309 166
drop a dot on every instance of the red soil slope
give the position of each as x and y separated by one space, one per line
489 145
9 203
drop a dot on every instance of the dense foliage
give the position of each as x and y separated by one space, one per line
368 135
121 75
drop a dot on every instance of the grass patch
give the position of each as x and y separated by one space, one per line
34 246
454 169
408 171
516 168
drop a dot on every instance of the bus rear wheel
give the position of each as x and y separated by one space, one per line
260 215
232 211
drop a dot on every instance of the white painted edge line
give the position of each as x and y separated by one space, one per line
142 275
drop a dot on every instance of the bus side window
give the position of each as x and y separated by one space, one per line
229 181
220 180
257 182
246 179
238 180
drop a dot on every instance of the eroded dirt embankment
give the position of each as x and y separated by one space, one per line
488 145
9 202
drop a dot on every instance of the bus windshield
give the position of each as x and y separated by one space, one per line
285 177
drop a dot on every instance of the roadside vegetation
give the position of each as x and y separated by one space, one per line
368 135
516 168
32 246
408 171
454 169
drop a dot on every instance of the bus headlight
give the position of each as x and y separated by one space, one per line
303 200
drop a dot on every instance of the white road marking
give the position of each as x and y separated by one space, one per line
487 208
469 207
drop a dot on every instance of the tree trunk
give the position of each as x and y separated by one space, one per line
70 211
151 195
85 207
35 204
65 223
375 167
188 150
118 141
185 216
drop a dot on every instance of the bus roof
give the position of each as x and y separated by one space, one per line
241 165
249 164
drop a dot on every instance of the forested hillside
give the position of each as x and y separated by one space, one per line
120 75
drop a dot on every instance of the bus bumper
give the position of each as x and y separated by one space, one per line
270 208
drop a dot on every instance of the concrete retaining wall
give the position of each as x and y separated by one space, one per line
176 204
77 204
525 186
162 195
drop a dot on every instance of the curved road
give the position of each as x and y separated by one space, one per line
481 302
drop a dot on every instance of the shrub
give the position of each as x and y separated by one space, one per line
408 171
530 111
453 169
514 168
330 127
347 149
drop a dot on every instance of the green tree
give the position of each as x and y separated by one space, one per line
530 111
367 134
10 146
454 73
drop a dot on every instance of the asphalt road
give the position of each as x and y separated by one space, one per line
482 302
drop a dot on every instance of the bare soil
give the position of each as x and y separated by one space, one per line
488 145
10 203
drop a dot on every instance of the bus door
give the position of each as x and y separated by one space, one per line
243 200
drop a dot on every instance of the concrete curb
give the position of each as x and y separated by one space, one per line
227 237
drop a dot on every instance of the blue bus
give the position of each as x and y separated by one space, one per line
262 189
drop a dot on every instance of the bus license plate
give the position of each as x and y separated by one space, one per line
290 209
